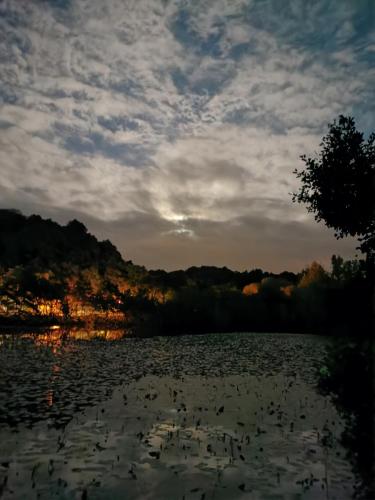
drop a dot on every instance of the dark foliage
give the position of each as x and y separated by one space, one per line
348 377
42 261
331 306
339 185
43 243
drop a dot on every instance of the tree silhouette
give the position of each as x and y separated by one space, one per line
338 186
314 274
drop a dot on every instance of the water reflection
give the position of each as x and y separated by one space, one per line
49 375
224 416
348 378
55 336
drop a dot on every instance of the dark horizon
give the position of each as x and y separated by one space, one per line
343 247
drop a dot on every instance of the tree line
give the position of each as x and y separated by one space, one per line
55 273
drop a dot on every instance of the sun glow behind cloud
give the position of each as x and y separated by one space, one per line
154 120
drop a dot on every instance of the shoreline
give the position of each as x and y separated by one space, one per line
132 331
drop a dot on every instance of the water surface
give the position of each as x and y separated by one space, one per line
98 415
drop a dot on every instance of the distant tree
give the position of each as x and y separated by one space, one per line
75 226
289 276
338 186
314 274
346 270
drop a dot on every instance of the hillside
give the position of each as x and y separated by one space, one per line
63 271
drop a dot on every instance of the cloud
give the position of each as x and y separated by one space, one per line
175 118
241 243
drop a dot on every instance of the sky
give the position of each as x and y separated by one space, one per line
173 127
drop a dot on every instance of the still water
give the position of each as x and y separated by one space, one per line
97 415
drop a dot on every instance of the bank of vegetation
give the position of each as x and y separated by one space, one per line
54 274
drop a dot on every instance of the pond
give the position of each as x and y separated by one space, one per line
96 415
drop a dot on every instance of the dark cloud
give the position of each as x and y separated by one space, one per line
40 194
81 143
5 124
60 4
116 123
7 95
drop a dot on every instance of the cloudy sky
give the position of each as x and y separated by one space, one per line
173 127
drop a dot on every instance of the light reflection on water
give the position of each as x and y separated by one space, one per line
218 416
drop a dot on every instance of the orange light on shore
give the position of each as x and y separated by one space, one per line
251 289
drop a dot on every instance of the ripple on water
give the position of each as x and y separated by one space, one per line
234 416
